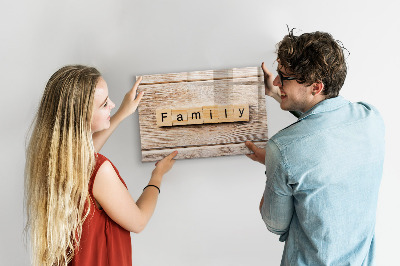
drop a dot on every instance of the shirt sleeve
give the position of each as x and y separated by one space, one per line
277 209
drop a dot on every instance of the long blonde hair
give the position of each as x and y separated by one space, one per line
59 161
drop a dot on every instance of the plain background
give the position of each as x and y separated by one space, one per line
208 208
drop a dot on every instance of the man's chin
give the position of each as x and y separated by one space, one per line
284 108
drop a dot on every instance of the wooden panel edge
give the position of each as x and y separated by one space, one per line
200 152
204 75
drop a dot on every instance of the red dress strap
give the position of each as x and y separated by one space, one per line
100 159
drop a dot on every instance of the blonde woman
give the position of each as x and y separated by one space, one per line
78 207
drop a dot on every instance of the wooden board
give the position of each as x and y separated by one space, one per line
202 88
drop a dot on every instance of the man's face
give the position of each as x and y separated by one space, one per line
294 96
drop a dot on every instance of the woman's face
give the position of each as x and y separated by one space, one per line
102 106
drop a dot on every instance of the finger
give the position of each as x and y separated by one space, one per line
265 70
251 146
138 80
172 155
136 85
139 97
251 156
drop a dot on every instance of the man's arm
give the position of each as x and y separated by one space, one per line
276 211
276 206
261 203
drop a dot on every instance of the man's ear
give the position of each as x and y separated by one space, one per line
317 88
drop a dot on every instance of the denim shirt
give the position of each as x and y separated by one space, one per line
323 176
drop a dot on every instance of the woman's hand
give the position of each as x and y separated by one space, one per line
115 199
270 89
163 166
131 101
128 107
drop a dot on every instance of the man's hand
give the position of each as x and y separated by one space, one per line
270 89
258 154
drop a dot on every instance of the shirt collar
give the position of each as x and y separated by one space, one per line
325 106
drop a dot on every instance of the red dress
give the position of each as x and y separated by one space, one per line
103 241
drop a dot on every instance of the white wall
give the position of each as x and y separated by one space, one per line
208 208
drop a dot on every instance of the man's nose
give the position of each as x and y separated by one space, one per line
277 81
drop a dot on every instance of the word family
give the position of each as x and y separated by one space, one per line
202 115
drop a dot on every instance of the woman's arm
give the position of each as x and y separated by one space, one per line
116 201
128 107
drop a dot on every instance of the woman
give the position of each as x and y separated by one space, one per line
78 207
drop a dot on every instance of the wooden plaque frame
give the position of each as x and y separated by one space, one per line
202 88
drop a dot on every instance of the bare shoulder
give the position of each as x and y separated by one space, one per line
114 198
106 170
106 181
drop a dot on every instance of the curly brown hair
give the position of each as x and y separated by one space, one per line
314 57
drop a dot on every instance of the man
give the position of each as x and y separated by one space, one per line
323 171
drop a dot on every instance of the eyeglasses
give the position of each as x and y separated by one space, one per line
282 78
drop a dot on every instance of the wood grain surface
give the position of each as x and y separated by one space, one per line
202 88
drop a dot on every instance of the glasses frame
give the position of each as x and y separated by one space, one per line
282 78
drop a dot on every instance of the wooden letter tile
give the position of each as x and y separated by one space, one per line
241 112
164 118
179 117
195 115
225 113
210 114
